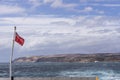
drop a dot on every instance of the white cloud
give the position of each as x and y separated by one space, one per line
38 20
111 5
82 34
97 0
60 4
88 9
105 5
53 34
35 3
7 9
84 10
83 1
100 12
48 1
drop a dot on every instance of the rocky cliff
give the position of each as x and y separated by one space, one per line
100 57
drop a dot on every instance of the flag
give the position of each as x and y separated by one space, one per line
19 39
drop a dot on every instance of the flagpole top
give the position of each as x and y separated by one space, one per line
15 27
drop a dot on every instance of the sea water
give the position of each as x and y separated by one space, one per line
104 70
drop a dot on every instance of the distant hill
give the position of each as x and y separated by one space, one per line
100 57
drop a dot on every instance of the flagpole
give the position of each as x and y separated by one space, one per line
11 57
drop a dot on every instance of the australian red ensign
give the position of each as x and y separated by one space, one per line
19 39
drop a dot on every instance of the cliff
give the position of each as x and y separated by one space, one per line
101 57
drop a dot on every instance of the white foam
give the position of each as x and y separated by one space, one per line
103 75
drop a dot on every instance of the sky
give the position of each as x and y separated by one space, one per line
59 27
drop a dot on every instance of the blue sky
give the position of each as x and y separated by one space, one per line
59 27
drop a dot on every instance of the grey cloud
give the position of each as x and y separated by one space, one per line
60 23
98 21
102 31
52 39
89 22
118 30
103 45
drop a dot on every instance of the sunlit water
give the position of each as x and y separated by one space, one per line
105 71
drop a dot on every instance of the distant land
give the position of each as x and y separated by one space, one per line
99 57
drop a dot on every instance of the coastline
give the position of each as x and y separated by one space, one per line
53 78
83 58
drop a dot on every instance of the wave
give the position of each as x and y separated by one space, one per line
103 75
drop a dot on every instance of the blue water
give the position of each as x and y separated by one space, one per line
105 71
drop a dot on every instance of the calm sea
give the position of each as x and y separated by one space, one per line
106 71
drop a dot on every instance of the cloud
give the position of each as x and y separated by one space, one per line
118 30
35 3
111 5
88 9
60 23
80 34
60 33
37 20
100 11
7 9
48 1
97 0
83 1
102 31
60 4
104 4
85 9
99 21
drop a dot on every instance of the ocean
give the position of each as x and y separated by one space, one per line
104 70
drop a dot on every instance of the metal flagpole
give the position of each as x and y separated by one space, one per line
11 57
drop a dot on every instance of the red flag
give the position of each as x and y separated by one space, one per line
19 39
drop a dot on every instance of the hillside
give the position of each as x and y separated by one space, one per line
101 57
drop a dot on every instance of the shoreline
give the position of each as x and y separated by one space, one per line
53 78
